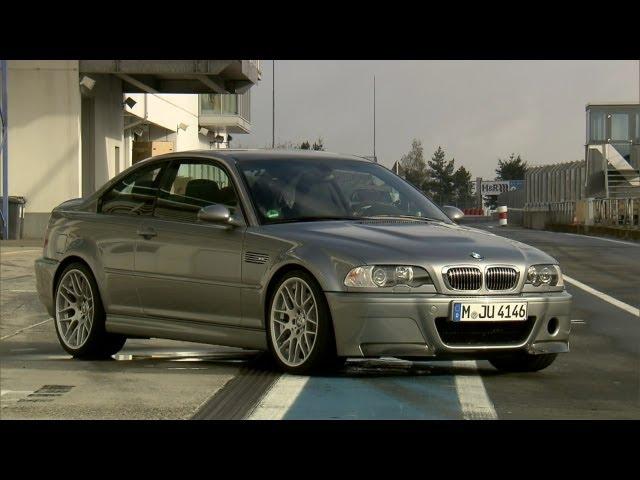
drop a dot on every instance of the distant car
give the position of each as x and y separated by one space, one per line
313 256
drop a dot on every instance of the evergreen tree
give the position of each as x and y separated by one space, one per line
462 188
512 168
306 145
317 145
441 177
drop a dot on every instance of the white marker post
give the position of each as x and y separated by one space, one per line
502 215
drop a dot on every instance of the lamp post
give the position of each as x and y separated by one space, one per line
375 159
273 104
5 152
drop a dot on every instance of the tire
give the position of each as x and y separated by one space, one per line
523 362
300 341
80 316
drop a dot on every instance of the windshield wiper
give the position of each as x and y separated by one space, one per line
407 217
313 219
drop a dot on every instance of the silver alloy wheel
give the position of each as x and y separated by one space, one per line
74 308
294 322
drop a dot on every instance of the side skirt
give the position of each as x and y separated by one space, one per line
188 331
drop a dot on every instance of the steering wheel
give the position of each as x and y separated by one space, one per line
375 208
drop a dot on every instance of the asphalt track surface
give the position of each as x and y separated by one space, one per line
158 379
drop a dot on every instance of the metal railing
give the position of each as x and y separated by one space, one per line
616 211
562 213
559 182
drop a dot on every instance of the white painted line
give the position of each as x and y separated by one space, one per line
472 395
14 392
627 308
632 244
13 252
25 328
277 401
9 397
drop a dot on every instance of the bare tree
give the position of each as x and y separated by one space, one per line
413 167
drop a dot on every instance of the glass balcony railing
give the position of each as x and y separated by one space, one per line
226 104
257 64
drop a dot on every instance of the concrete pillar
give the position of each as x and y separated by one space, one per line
105 131
44 126
589 214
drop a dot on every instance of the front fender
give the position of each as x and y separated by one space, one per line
328 268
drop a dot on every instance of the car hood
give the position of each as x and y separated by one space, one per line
408 242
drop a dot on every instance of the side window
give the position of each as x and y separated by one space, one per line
191 186
596 126
620 126
133 195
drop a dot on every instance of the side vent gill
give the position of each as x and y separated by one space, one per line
253 257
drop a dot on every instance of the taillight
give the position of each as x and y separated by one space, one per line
46 237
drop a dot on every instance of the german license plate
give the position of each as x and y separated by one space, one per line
485 311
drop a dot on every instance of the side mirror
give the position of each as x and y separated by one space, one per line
454 213
219 214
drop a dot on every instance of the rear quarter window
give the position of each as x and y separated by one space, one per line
135 194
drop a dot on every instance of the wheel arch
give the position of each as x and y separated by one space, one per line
64 264
330 335
277 275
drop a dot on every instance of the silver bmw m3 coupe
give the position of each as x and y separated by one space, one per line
313 256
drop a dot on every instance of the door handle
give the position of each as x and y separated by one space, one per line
147 232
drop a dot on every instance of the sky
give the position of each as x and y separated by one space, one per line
478 111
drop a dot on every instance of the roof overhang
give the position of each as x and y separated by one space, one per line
177 76
624 105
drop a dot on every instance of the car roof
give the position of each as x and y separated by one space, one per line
268 154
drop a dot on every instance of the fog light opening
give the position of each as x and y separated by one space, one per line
553 326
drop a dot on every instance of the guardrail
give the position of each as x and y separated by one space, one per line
555 212
562 212
597 211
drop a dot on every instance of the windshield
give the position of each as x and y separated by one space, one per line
324 189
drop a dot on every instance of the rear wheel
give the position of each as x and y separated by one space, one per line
299 326
523 362
80 316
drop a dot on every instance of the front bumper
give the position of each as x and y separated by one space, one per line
45 273
371 325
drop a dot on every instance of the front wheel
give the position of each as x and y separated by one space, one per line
299 326
80 316
523 362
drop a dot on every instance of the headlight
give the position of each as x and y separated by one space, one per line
544 275
371 276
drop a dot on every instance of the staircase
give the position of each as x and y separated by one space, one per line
623 180
623 183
